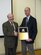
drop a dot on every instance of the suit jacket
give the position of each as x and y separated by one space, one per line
9 39
32 27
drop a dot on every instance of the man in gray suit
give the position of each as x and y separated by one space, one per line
10 30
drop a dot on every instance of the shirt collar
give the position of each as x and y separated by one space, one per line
28 17
9 22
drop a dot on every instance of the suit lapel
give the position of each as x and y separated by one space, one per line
9 25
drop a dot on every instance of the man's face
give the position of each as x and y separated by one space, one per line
10 17
27 11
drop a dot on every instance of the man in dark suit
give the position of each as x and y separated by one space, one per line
10 30
31 23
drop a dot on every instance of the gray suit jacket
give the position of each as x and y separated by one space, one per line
9 39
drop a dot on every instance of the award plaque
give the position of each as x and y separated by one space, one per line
23 33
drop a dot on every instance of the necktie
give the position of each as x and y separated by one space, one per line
13 25
26 21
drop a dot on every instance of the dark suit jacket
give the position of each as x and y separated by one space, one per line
9 39
32 27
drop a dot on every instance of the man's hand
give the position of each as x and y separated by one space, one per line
29 40
15 34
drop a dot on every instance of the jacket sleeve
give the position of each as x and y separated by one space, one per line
5 30
34 33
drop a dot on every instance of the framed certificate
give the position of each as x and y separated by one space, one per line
23 33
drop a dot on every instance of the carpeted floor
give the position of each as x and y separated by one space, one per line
37 52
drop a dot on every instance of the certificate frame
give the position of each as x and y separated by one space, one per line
23 34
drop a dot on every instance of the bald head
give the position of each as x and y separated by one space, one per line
10 17
27 8
27 11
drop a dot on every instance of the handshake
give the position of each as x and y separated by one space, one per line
15 33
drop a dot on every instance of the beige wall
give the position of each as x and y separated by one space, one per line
2 50
38 16
18 11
